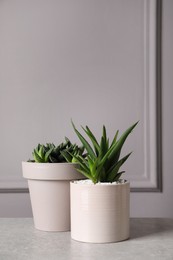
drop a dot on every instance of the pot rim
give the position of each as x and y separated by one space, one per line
99 184
50 171
48 163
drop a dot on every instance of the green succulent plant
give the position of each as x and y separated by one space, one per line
102 163
50 153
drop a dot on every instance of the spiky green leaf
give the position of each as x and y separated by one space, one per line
84 142
93 139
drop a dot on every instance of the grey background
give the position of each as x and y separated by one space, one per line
80 60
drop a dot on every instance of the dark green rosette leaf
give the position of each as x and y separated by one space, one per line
50 153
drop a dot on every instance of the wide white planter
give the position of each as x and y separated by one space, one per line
49 187
99 213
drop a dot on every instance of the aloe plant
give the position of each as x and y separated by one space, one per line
102 163
50 153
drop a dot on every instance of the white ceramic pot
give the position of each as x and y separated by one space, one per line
49 187
99 213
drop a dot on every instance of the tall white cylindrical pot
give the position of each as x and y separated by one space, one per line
49 188
99 213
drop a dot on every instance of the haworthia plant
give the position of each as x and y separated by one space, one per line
50 153
102 162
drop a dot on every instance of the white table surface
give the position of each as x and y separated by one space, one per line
149 239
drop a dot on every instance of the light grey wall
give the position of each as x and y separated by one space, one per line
69 59
44 77
160 204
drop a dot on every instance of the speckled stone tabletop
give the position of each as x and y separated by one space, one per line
149 239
